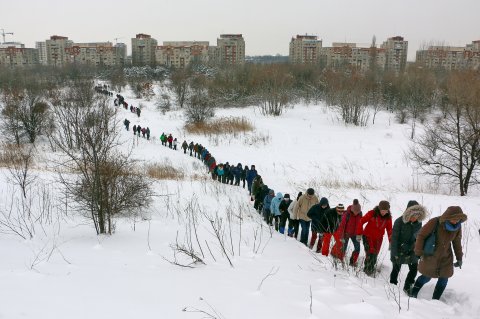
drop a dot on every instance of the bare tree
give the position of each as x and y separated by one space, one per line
106 184
275 90
450 148
199 106
19 161
179 84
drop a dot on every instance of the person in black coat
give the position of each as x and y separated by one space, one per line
315 213
329 223
237 173
283 208
404 234
243 175
134 130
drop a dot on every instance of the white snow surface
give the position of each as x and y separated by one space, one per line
67 271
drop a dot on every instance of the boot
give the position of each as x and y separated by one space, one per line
414 290
282 230
437 293
354 258
407 288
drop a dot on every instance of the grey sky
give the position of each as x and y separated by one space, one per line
267 25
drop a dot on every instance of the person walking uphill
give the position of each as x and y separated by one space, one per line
275 209
347 231
292 218
251 174
284 215
404 233
305 202
378 220
184 146
329 224
448 233
315 213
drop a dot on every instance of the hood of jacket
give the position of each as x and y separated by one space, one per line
279 196
323 201
453 212
415 210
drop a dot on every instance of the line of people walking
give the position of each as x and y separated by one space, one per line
410 242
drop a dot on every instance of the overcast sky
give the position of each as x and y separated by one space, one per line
267 25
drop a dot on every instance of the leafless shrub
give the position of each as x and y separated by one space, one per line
211 313
19 160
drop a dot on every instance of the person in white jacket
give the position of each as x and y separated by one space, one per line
293 219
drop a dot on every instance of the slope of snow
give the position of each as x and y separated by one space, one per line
69 272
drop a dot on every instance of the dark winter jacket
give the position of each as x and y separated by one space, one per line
267 201
404 235
284 204
184 145
440 264
316 212
244 173
330 221
251 176
257 185
348 225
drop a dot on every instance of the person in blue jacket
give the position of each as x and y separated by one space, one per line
252 173
275 209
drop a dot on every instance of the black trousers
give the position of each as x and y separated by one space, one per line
412 273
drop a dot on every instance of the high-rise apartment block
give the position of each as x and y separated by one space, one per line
230 49
451 58
41 46
13 56
180 54
349 55
143 49
56 50
305 49
396 50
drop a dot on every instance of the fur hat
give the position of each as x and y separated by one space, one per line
356 207
415 211
340 207
310 191
412 203
384 205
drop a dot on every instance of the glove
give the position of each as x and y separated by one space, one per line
458 264
359 237
342 240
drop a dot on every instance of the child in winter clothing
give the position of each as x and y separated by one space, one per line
275 209
347 231
440 265
404 234
378 220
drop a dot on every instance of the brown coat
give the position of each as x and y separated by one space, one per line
440 264
303 205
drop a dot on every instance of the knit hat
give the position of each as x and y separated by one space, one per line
356 207
310 191
384 205
412 203
340 207
323 201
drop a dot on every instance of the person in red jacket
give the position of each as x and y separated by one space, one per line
378 220
347 231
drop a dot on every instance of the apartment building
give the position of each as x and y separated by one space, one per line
96 53
15 56
41 46
350 55
143 49
450 58
180 54
305 49
396 50
56 50
230 50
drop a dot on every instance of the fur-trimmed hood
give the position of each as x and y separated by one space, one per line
418 210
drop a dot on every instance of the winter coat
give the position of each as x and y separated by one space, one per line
170 139
440 264
267 201
163 137
251 176
305 202
244 173
190 146
184 145
275 205
257 185
285 206
330 221
220 171
291 209
237 172
404 235
375 229
316 212
348 225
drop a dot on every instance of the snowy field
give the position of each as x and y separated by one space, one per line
66 271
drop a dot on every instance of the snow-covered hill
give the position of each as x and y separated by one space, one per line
66 271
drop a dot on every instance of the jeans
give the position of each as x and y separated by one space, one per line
439 287
305 229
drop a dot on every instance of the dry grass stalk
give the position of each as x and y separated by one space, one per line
164 171
222 125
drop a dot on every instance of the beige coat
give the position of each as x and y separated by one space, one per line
305 202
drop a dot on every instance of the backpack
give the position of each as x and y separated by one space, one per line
431 241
